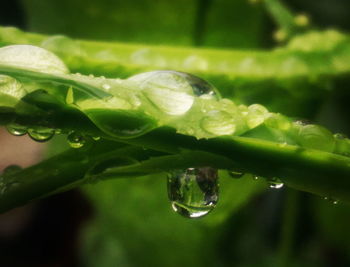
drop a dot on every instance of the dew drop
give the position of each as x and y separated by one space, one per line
331 200
173 92
96 138
32 57
315 137
275 183
193 192
256 115
236 174
76 140
41 134
11 86
16 129
218 123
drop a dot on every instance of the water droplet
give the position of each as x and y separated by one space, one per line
173 92
121 123
193 192
218 123
76 140
256 115
315 137
96 138
275 183
331 200
16 129
236 174
256 177
277 121
12 87
32 57
41 134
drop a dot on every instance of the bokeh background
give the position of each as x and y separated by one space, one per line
130 222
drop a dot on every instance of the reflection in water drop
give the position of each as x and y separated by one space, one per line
193 192
41 134
76 140
16 129
275 183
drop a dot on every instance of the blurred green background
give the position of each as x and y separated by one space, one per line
129 222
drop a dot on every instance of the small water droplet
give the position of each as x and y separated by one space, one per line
275 183
236 174
76 140
256 177
193 192
41 134
16 129
331 200
96 138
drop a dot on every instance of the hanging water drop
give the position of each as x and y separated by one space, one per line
193 192
16 129
275 183
76 140
41 134
236 174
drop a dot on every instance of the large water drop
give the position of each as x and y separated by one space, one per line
193 192
16 129
173 92
32 57
41 134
